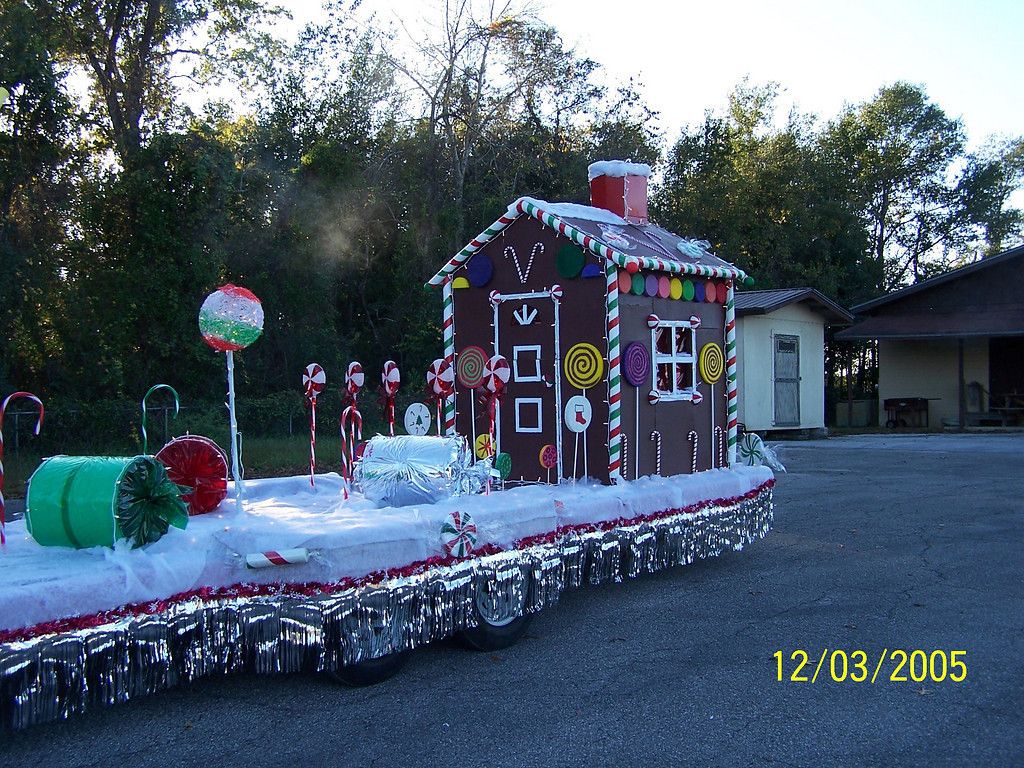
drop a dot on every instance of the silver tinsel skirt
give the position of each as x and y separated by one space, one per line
55 676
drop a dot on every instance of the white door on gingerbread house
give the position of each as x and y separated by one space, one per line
529 415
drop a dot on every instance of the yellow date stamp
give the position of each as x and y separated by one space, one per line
890 666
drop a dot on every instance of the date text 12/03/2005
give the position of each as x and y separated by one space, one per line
888 666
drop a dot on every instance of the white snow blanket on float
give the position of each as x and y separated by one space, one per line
346 538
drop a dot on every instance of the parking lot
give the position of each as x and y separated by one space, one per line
881 542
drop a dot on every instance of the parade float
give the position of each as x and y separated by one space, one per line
580 429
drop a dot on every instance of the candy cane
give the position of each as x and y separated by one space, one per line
693 437
656 437
277 557
720 442
625 455
732 397
614 371
145 397
39 425
348 445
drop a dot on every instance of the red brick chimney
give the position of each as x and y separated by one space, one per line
621 188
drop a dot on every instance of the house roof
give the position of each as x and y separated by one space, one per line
946 277
763 302
627 245
981 299
937 325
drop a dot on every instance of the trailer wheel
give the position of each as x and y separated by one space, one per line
499 625
371 671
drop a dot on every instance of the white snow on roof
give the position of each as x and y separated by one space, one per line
572 211
617 168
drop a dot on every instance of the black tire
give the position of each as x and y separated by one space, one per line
371 671
489 637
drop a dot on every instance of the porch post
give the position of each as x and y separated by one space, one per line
961 395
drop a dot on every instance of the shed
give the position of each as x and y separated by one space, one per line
951 348
782 332
619 336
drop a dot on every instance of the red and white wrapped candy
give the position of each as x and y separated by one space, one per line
556 292
496 374
697 398
653 397
653 320
694 321
275 557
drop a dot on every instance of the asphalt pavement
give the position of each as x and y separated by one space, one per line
880 542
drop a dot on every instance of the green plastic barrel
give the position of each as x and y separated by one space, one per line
92 501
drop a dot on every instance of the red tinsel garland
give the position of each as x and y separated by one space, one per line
316 588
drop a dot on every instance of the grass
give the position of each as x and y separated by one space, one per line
261 457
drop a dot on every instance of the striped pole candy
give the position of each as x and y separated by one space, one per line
39 425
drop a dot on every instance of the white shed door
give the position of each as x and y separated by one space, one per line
787 381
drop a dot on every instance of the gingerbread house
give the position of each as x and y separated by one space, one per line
619 336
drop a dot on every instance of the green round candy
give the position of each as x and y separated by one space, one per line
503 463
638 285
569 261
687 290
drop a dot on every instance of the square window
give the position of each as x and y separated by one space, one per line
529 414
526 363
674 375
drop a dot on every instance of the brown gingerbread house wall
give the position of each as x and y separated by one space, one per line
582 318
672 419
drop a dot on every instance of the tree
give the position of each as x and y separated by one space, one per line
37 164
765 197
129 48
901 148
482 67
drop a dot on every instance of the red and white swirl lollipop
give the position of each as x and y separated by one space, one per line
441 381
441 378
390 380
496 374
354 379
313 381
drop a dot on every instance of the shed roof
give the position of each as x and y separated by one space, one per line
627 245
763 302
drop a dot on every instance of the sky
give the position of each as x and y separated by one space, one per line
824 53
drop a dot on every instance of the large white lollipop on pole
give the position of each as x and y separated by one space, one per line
231 319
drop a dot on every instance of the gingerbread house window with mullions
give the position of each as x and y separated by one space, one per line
674 374
618 336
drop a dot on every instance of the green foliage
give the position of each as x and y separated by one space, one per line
357 172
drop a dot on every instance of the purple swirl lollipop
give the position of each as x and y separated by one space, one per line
636 364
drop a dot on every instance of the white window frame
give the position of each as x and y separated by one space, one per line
534 375
537 403
675 358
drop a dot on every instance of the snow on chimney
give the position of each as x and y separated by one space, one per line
621 188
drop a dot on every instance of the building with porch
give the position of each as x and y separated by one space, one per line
951 349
